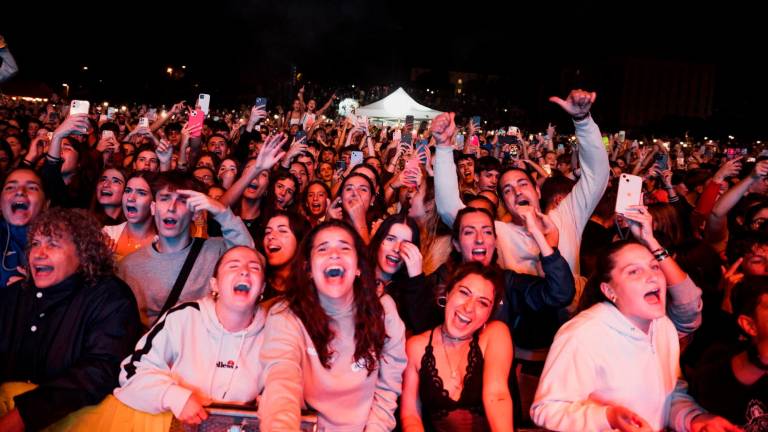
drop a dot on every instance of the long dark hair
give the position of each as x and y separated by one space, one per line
381 234
371 212
304 302
604 265
456 257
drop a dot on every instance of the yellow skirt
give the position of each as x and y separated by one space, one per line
109 415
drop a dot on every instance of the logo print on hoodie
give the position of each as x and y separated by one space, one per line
228 365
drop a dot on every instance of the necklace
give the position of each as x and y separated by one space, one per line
454 372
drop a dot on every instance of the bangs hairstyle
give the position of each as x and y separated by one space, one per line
491 273
96 258
304 301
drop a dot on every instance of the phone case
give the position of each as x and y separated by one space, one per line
79 107
630 190
196 118
143 122
204 102
356 158
261 101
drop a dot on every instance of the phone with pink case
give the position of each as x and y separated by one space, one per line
196 119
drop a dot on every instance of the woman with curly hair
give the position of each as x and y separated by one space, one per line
64 330
332 342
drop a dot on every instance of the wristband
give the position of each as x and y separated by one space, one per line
580 118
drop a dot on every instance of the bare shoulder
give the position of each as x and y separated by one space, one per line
495 332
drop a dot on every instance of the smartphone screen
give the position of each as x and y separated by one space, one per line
261 102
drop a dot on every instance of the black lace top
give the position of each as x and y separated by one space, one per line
436 404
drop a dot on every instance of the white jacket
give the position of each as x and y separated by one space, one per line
516 248
188 351
600 358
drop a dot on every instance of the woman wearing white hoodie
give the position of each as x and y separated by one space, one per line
203 351
615 366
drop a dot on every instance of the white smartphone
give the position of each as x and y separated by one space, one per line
460 141
143 122
111 113
630 192
622 136
356 158
204 101
107 134
79 107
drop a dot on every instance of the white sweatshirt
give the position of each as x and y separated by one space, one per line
600 358
516 248
188 351
345 396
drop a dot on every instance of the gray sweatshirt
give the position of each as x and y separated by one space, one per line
345 396
151 274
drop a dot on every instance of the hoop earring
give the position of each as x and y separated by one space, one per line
442 301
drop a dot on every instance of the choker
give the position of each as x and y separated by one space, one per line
453 338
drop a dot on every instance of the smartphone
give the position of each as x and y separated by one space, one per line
408 130
107 134
460 141
662 160
356 158
476 121
513 130
260 102
341 165
630 190
422 148
606 142
79 107
300 135
143 122
622 136
751 160
111 113
196 119
204 102
411 165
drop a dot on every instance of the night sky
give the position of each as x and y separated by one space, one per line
234 46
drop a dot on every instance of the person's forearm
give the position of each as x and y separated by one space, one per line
324 107
233 229
498 410
708 198
732 197
9 67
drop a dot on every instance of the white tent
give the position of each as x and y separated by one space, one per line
396 106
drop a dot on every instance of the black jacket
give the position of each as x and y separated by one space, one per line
69 339
531 305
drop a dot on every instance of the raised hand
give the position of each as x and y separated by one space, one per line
412 258
578 103
77 124
197 201
443 128
270 154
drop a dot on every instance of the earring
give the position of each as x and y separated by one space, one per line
442 301
260 298
214 295
613 299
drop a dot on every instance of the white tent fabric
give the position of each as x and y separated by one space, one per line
397 105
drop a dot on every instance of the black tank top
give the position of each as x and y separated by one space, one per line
437 405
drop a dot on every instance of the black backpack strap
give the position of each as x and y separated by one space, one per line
181 279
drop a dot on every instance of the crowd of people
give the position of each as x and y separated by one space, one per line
451 277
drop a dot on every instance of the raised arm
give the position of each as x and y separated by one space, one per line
447 195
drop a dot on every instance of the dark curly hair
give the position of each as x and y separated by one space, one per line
303 300
96 258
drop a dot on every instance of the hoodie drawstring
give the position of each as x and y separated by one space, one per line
237 360
213 374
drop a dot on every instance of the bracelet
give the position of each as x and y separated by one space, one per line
660 254
580 118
